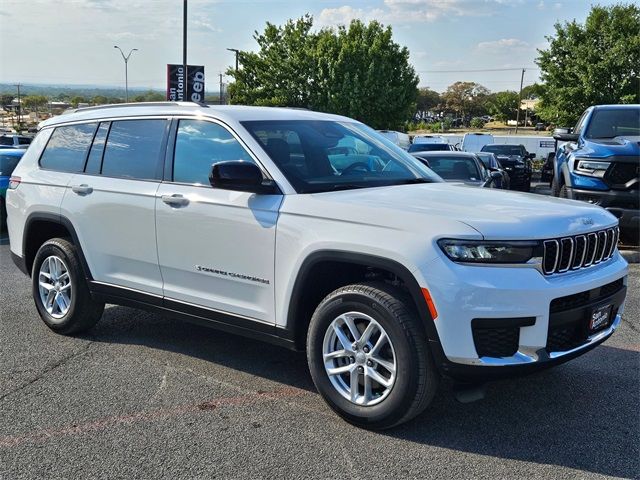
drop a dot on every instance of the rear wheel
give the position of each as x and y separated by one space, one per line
60 290
369 357
564 192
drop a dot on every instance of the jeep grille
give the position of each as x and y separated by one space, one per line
579 251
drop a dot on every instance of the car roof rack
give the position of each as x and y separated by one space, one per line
138 104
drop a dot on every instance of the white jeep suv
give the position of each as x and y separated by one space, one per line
314 232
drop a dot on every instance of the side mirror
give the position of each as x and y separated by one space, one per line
241 176
567 137
494 177
531 156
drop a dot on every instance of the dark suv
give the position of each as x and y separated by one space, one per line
516 161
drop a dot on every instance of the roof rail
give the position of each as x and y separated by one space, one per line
138 104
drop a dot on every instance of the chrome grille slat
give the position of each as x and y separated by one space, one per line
581 251
578 251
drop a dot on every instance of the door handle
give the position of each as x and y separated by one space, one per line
175 200
83 189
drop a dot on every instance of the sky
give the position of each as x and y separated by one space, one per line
71 41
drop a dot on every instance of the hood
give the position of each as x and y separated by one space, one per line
606 147
495 214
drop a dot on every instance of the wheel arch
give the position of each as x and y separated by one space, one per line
303 300
42 226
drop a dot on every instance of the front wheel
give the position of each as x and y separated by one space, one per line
369 357
60 290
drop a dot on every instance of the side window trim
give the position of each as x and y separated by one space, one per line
171 147
93 140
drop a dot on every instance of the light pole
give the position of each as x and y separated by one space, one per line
236 51
126 75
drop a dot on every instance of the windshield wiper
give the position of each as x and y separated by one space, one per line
337 187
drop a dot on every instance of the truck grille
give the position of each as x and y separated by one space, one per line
579 251
620 174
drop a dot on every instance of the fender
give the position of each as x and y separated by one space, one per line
392 266
60 220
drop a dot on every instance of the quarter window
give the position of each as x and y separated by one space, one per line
67 148
133 149
201 144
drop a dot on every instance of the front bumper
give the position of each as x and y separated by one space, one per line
623 204
521 299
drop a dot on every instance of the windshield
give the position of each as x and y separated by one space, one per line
454 167
429 147
320 156
503 149
619 122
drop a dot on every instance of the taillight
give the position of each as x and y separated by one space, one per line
14 182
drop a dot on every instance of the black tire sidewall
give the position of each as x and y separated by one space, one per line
403 391
48 249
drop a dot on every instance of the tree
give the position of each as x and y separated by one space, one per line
466 98
100 100
503 105
33 102
357 71
7 98
427 99
76 100
591 64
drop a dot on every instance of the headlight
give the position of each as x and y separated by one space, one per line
486 251
591 168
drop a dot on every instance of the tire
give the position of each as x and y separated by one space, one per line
72 308
564 193
416 379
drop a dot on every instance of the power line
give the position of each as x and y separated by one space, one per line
478 70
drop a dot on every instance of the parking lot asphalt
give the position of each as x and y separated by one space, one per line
144 396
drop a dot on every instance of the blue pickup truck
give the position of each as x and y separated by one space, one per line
600 163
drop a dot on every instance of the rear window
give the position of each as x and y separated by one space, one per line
455 168
67 148
429 147
503 149
133 149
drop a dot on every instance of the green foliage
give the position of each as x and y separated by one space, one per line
149 96
477 122
427 99
591 64
74 101
503 105
466 98
357 71
34 102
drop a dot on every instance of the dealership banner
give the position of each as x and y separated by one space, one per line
190 91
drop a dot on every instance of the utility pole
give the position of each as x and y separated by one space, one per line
221 91
519 100
126 73
236 51
184 50
19 109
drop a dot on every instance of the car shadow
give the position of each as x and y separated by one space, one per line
582 415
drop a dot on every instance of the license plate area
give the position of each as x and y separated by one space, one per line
600 317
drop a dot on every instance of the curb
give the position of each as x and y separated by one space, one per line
631 256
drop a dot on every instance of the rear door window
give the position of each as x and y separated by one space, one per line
67 148
94 162
134 148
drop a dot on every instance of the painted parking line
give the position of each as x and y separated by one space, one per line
149 416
